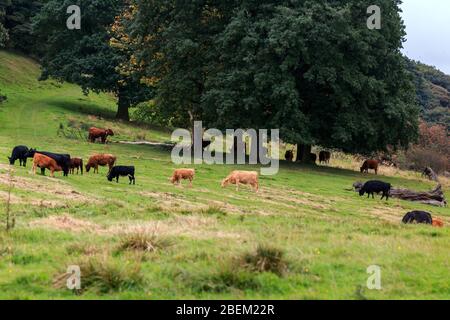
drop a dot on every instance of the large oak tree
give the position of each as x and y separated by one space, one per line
85 56
313 69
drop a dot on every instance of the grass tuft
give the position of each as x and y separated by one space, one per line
144 242
265 259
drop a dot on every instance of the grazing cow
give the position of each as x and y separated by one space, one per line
324 157
121 171
289 155
19 153
63 160
371 187
76 163
183 174
45 162
95 133
438 223
370 164
101 160
242 177
313 157
418 217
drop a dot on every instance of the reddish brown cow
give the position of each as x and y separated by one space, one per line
95 133
101 160
76 163
44 162
370 164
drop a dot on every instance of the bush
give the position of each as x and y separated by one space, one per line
265 259
141 241
105 275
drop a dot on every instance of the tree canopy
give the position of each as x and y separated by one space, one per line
85 56
310 68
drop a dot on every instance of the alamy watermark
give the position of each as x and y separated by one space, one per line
74 279
374 280
374 21
262 149
74 21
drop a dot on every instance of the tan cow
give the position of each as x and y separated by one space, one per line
182 174
242 177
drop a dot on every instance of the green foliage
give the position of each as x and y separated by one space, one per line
433 92
16 24
85 57
311 68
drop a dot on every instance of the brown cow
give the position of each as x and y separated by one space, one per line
242 177
438 223
76 163
44 162
370 164
183 174
101 160
95 133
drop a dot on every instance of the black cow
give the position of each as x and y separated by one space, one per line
371 187
19 153
418 217
122 171
63 160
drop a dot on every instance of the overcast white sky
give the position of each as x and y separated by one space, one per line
428 27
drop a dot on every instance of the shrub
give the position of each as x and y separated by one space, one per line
105 275
142 241
265 259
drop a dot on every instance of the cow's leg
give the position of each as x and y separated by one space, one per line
34 168
52 172
190 182
117 179
237 185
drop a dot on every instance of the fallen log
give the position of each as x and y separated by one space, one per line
434 197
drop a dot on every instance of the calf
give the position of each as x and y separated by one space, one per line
242 177
45 162
324 157
101 160
76 163
95 133
369 164
372 187
19 153
121 171
183 174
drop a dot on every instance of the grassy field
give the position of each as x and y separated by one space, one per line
304 236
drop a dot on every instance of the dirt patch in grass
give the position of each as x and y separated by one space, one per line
52 187
198 227
68 223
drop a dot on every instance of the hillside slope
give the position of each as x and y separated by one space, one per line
154 241
433 92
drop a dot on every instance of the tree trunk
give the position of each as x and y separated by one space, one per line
123 107
303 153
434 197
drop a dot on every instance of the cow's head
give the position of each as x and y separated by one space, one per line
30 153
225 183
88 168
362 169
110 177
361 192
109 132
11 161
